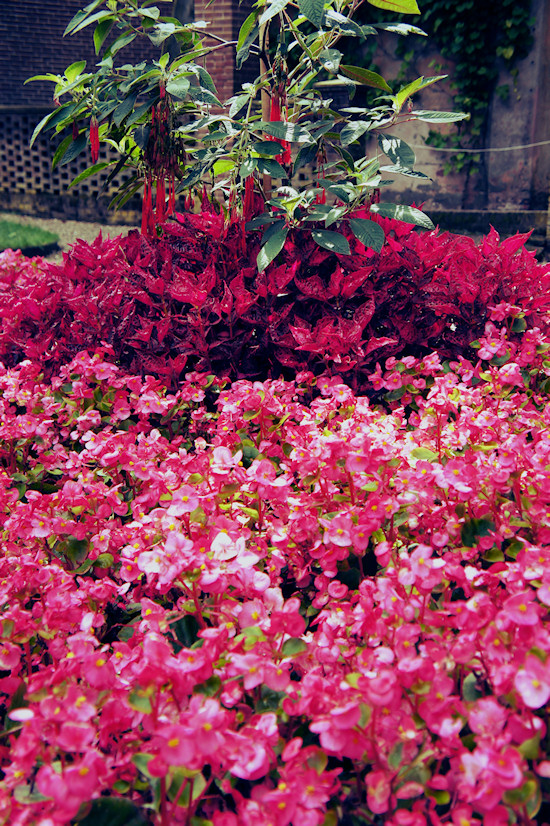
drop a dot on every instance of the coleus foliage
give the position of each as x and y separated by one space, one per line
232 604
165 123
193 299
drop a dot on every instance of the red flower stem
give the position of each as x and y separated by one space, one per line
163 813
200 618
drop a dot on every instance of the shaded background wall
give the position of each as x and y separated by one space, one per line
517 178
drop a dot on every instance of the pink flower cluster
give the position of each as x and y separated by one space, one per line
248 603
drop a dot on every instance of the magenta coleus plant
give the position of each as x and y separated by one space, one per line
234 603
193 299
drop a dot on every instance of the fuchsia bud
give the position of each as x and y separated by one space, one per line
94 138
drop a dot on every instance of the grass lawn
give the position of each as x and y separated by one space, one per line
24 237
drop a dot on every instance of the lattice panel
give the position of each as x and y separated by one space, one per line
30 170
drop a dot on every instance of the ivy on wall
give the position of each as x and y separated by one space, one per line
478 39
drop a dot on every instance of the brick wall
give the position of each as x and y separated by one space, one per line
31 43
226 18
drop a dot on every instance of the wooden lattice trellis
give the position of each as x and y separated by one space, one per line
29 170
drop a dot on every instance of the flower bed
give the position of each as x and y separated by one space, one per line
192 299
277 602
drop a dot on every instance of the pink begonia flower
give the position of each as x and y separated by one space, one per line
532 682
487 717
225 819
184 500
247 758
521 609
378 791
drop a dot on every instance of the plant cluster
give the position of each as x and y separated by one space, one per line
173 135
193 299
238 604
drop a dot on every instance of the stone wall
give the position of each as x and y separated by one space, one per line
508 178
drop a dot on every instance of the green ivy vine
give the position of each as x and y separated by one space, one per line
479 39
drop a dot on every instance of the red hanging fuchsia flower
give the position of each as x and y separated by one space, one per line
248 202
94 138
162 159
278 104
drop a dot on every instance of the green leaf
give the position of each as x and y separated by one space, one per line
120 43
206 80
400 212
161 32
293 646
86 21
405 170
473 529
124 108
399 28
274 8
370 234
74 148
260 221
105 560
267 147
51 119
330 58
333 241
203 96
178 87
140 111
438 117
305 155
333 19
270 167
81 15
247 167
114 811
352 131
396 756
247 35
365 77
397 150
181 778
246 28
425 454
273 246
92 170
101 32
153 12
313 10
27 795
139 700
342 191
415 86
334 215
399 6
237 103
290 132
74 70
